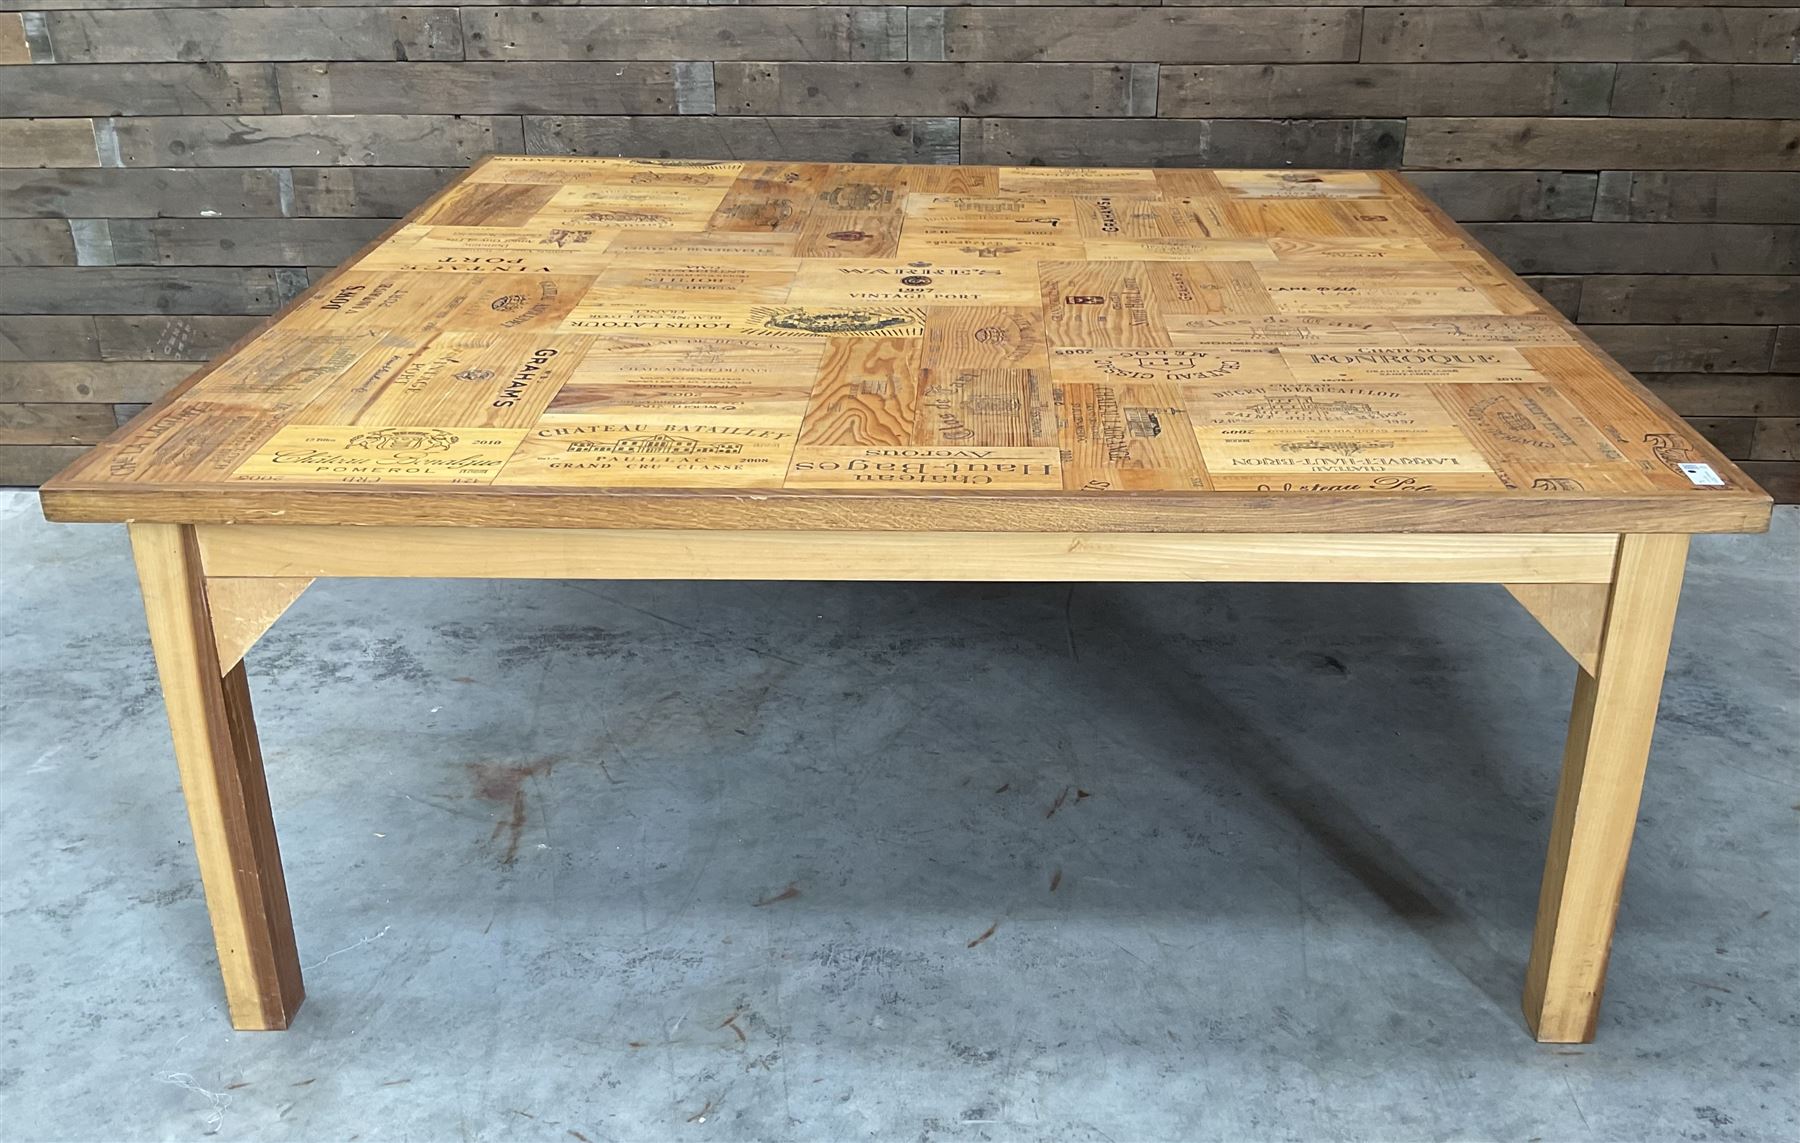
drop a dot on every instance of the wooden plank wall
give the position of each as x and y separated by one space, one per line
170 171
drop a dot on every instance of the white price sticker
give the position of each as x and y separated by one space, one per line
1701 475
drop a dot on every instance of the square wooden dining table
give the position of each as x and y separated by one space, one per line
608 368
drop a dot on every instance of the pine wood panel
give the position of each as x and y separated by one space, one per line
618 327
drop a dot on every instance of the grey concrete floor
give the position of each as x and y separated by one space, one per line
663 861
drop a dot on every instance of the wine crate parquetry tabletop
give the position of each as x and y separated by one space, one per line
614 342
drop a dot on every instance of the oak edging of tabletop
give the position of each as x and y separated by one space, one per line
788 510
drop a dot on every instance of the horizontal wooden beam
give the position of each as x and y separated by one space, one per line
558 553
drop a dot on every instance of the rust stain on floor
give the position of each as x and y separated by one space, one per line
505 784
788 894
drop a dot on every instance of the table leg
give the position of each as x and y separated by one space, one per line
1597 799
222 780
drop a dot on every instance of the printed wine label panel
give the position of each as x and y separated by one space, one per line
1280 331
1079 180
664 452
1343 297
742 279
1156 249
1412 364
1300 184
191 440
563 170
1100 304
850 234
647 378
1252 433
946 467
1168 365
374 302
471 379
656 207
734 321
1007 407
658 248
286 369
1127 437
856 281
1537 439
866 392
985 338
1662 451
391 454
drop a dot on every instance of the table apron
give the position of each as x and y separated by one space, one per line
250 550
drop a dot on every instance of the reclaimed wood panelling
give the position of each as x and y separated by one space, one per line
1508 196
1719 394
170 169
34 464
150 192
243 241
1733 299
1707 91
1642 248
789 139
313 140
1698 196
53 423
1562 32
1643 144
1688 348
166 337
150 35
136 289
14 48
140 89
1786 357
1185 142
478 88
362 192
824 32
48 143
100 382
1258 91
1152 35
29 337
36 242
930 89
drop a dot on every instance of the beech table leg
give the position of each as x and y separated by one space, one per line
222 780
1597 799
